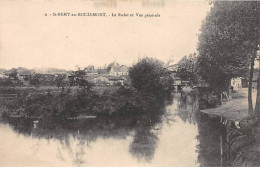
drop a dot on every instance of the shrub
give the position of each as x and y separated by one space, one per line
148 76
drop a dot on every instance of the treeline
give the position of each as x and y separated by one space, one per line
152 86
228 48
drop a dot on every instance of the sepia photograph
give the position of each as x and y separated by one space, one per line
129 83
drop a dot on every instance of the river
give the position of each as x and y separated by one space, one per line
182 137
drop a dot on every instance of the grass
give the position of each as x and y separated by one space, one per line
236 109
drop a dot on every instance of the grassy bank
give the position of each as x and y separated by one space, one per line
241 134
123 102
236 109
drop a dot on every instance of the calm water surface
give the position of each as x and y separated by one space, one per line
182 137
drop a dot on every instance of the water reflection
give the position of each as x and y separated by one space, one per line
209 136
144 144
179 137
187 106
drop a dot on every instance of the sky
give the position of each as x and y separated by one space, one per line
30 39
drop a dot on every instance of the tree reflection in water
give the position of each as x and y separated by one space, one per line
209 130
77 135
144 144
210 134
187 106
81 141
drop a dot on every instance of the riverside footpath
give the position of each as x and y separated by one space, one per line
236 109
243 138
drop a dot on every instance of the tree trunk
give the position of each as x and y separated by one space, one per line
228 89
257 105
250 103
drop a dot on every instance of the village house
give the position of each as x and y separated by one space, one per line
202 83
90 70
116 80
236 83
106 80
3 76
25 76
118 70
244 81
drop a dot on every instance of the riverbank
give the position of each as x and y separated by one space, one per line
140 141
234 110
243 140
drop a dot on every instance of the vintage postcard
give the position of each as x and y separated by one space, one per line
129 83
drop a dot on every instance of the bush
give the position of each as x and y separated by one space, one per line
213 100
208 100
148 76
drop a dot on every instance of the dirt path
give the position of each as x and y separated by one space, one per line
236 109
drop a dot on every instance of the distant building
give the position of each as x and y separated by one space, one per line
236 83
101 80
177 81
117 70
24 76
2 76
244 81
90 70
172 68
116 80
104 80
102 71
202 83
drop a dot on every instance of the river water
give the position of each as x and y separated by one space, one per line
182 137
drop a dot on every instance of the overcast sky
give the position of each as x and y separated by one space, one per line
30 39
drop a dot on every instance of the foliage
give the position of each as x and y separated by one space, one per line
78 78
208 99
35 81
227 41
60 80
126 102
13 74
148 76
187 69
6 82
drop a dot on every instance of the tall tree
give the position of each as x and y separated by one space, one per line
257 105
228 43
187 69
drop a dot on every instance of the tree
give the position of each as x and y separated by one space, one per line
228 43
187 69
78 78
257 104
59 80
6 82
149 77
13 74
35 80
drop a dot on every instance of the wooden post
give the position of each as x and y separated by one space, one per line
221 151
227 97
221 99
